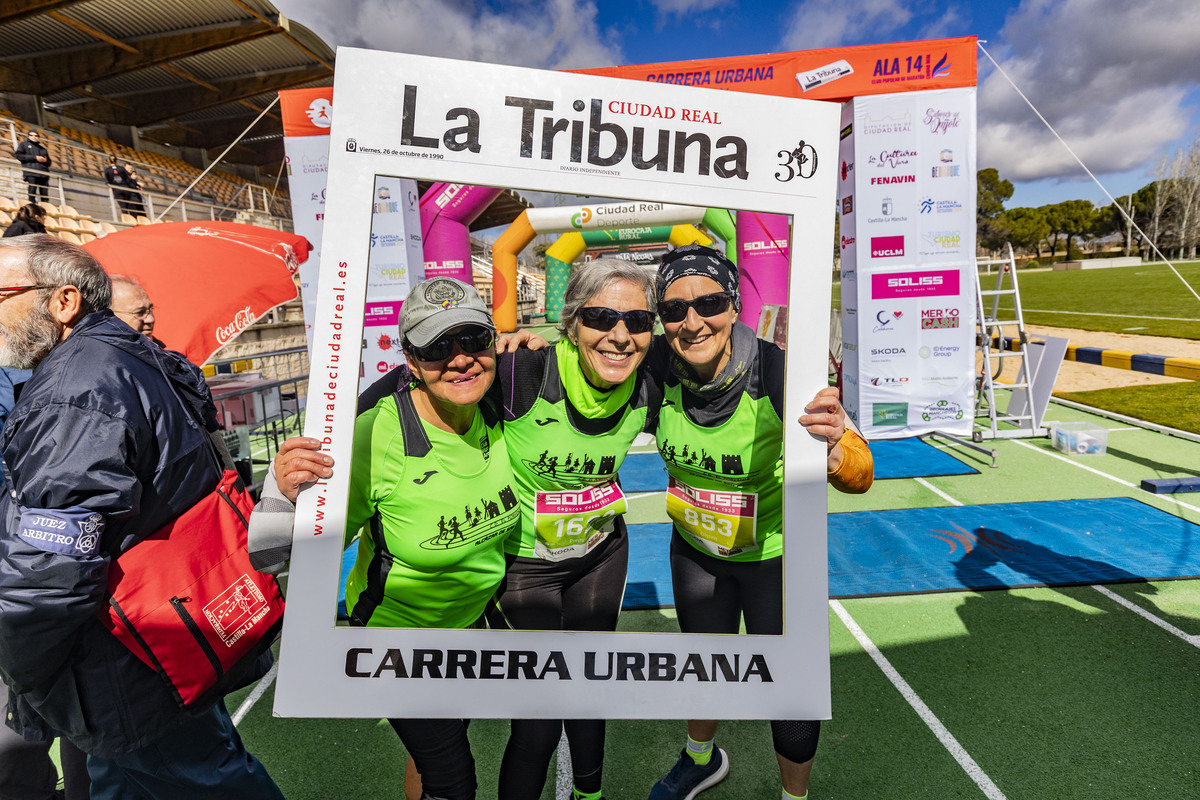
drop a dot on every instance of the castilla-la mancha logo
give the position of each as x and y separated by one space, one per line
242 320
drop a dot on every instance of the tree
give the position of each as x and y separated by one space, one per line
991 192
1027 228
1072 219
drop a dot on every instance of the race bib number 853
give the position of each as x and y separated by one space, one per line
721 522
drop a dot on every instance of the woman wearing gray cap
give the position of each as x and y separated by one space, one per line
430 558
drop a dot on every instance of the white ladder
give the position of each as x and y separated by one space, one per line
994 316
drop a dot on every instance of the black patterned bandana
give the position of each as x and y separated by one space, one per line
695 259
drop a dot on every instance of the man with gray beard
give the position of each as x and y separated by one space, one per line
107 443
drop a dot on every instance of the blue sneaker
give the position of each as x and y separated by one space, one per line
688 779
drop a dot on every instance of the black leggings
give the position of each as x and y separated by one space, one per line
579 594
442 754
712 595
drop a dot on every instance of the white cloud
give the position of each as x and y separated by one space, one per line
1110 76
553 34
829 23
688 7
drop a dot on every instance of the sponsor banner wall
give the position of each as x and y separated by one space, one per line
914 209
393 268
396 260
307 115
847 225
486 124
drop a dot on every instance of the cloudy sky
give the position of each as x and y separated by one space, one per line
1119 81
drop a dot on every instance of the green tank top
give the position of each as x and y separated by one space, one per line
440 507
725 480
566 464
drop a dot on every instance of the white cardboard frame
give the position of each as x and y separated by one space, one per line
321 664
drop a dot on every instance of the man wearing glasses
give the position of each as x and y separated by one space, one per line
132 305
108 443
35 158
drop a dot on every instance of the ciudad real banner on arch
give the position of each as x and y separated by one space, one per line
478 124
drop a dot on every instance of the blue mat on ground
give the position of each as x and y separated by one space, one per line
1006 545
913 458
1003 545
643 472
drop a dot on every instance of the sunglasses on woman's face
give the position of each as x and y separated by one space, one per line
605 319
708 305
470 340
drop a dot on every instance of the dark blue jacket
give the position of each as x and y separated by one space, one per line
27 153
115 425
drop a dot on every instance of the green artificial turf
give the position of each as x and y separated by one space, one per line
1146 295
1176 405
1054 693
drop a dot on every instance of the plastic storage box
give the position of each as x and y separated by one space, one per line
1079 438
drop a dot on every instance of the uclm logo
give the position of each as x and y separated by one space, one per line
924 283
887 246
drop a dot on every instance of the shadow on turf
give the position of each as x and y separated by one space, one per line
1164 470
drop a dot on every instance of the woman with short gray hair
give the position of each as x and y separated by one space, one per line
571 413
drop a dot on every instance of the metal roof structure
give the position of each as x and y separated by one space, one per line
190 73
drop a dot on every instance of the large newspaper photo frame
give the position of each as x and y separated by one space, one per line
471 123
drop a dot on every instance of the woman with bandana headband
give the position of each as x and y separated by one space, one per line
721 428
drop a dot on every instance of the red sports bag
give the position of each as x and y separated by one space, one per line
186 600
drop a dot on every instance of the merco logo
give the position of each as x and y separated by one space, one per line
582 218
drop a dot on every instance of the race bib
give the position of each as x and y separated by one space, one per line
719 521
73 531
571 522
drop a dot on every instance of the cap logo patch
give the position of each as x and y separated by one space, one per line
444 293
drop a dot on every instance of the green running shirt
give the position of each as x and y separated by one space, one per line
440 507
724 459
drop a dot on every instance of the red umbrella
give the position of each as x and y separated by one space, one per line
207 280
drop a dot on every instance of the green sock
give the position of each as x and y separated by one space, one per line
789 796
578 795
700 752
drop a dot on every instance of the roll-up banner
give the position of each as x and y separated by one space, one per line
909 192
395 262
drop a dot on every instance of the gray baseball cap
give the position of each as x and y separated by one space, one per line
436 305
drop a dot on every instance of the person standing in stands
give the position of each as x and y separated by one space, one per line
31 218
137 204
35 158
117 178
136 419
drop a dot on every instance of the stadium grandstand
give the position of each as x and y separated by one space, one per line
167 86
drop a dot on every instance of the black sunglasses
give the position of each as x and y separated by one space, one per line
708 305
470 341
601 318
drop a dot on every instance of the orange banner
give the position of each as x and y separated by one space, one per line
307 112
836 73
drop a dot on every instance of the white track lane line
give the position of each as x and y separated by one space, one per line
1168 498
257 694
1098 314
927 716
937 491
1141 612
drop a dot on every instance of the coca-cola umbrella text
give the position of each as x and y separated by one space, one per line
208 281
